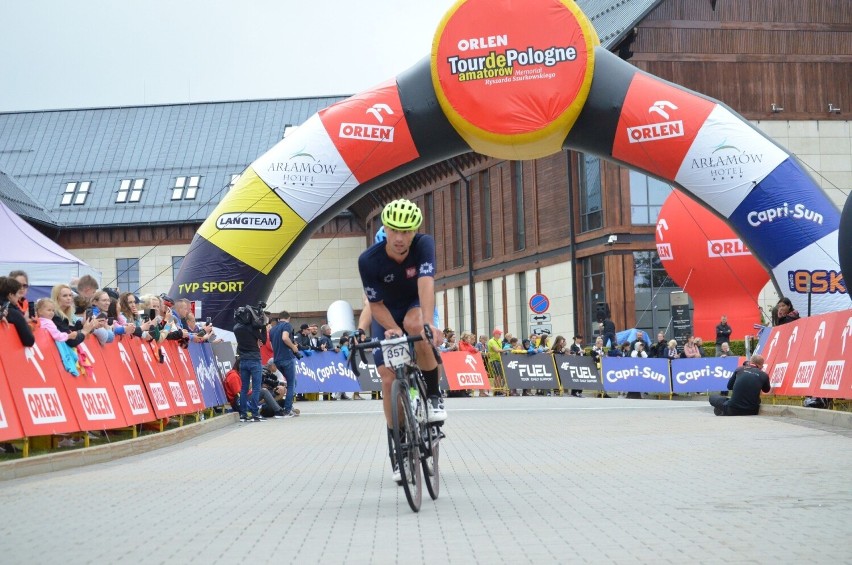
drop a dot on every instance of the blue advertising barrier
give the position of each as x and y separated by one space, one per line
633 374
703 375
206 373
325 372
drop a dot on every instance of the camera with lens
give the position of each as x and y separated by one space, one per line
270 380
251 315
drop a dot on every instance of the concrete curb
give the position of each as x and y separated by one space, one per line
59 461
829 417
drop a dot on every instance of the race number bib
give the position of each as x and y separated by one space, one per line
396 354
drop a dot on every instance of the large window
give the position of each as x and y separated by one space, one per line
75 193
653 288
127 274
646 198
591 211
594 291
130 190
185 188
518 222
458 229
490 321
485 209
460 311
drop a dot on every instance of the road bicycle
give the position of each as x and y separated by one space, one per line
415 442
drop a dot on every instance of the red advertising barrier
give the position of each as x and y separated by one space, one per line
92 394
465 370
184 373
127 380
147 358
37 391
10 424
808 357
39 397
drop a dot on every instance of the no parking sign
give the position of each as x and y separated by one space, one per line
539 303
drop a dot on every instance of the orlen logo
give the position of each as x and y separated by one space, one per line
804 374
664 250
726 248
660 130
820 281
831 376
370 132
248 221
470 379
776 379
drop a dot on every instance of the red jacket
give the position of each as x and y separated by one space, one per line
467 348
233 383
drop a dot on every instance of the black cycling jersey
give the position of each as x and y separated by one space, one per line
395 284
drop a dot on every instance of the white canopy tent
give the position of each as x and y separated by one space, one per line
22 247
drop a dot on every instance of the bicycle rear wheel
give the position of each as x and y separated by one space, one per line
406 446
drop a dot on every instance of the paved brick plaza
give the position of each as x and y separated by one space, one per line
524 480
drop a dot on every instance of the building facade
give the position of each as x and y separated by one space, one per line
126 188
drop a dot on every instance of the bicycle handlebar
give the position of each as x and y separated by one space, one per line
360 347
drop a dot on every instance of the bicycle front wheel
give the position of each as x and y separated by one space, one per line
406 447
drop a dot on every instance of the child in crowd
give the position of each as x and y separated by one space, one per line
45 310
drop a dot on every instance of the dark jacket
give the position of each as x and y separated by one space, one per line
15 317
746 384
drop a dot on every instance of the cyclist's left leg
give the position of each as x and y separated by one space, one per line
413 325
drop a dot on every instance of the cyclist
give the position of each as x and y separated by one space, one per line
398 276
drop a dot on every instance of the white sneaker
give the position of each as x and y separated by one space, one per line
397 476
435 410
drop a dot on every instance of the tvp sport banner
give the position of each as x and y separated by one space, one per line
515 80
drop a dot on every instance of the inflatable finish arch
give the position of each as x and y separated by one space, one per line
516 84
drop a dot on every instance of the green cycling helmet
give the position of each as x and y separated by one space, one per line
402 215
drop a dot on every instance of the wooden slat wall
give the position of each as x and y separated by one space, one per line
751 54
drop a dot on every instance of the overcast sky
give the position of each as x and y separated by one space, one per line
93 53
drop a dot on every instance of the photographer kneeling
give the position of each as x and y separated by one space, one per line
272 392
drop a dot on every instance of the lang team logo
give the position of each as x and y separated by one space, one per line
248 221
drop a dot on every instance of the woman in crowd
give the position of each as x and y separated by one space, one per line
467 343
559 345
66 320
23 303
598 351
671 350
100 305
625 350
11 292
725 350
151 305
690 350
784 312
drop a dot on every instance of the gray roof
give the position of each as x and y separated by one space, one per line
20 201
613 19
44 151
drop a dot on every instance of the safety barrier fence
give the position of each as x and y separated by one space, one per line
131 381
